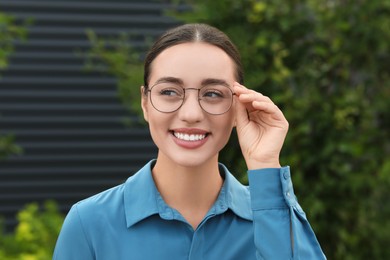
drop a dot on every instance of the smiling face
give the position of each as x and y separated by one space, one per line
189 136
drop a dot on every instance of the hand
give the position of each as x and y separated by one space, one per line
261 128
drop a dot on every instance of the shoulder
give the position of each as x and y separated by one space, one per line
87 219
106 204
111 205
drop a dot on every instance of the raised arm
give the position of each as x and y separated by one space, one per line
281 228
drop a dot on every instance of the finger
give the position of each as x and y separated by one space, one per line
254 96
266 107
272 110
240 89
248 100
241 114
247 95
254 101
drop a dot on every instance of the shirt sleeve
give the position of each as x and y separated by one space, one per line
281 228
72 242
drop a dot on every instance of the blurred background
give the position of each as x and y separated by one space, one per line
70 122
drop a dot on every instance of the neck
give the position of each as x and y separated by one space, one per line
190 190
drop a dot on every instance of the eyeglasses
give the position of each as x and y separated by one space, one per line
167 97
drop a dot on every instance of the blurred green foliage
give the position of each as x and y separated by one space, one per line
326 65
10 31
7 146
35 235
118 58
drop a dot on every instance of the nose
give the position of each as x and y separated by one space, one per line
190 111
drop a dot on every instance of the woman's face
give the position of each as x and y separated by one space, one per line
190 136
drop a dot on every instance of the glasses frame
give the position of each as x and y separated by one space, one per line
184 97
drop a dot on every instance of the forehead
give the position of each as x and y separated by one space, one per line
193 62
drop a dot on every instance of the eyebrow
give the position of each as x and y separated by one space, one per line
205 82
213 81
169 80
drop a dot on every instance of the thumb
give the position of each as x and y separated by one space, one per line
241 115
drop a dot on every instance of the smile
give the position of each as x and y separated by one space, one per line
189 137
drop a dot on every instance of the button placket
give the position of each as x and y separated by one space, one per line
287 187
196 245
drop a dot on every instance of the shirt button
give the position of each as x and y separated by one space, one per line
286 174
288 194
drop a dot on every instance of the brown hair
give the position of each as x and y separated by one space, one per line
193 33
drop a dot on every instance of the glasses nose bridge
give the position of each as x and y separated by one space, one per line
186 89
185 96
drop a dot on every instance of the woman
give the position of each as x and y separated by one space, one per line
184 204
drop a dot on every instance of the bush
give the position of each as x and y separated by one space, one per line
35 235
326 64
118 58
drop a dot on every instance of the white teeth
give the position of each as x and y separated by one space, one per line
189 137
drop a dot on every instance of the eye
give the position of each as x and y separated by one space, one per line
169 92
213 94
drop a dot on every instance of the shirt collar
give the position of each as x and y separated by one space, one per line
235 196
142 199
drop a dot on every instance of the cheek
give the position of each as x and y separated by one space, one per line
226 125
156 133
231 116
158 123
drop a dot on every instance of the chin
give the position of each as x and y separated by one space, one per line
194 161
187 160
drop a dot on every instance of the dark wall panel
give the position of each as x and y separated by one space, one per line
69 122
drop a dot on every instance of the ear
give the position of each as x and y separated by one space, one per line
144 103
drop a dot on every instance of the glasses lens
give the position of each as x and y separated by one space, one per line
166 97
216 99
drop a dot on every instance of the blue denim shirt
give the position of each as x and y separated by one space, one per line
132 221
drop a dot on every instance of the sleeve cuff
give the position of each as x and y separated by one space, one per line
271 188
